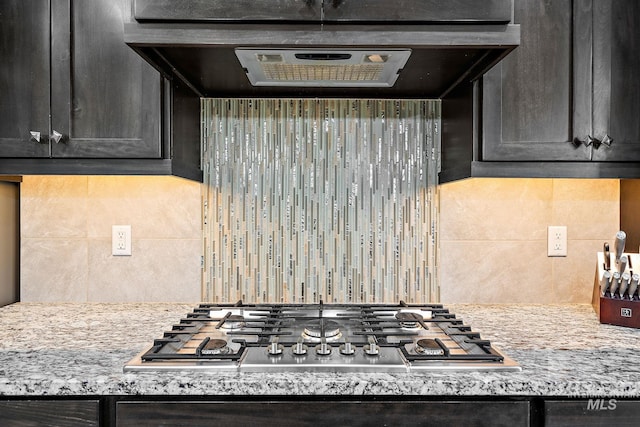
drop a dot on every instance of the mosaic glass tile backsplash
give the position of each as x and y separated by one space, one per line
309 199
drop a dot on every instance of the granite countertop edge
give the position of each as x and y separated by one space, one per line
66 349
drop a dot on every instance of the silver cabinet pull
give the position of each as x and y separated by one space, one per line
35 136
56 136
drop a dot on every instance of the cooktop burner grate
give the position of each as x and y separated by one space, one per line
321 337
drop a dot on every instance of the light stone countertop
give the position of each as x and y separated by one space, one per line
79 350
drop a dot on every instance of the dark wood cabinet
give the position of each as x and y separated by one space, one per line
616 67
58 413
438 11
566 102
225 10
591 412
24 77
67 70
105 99
538 98
326 412
309 11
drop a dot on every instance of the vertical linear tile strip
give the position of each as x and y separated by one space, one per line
311 198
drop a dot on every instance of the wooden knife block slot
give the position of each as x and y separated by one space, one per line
613 310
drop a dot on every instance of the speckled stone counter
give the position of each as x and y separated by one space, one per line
79 349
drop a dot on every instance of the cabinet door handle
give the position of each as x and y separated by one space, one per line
35 136
589 140
56 136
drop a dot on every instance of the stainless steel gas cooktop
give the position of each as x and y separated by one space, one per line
321 337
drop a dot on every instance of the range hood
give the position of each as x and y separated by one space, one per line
323 48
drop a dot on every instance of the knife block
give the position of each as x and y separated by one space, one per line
613 310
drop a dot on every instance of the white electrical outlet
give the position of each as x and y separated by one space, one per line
121 240
557 240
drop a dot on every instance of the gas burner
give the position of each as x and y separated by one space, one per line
313 330
429 347
233 322
215 346
321 338
408 319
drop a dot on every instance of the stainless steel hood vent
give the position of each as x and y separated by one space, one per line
359 49
322 67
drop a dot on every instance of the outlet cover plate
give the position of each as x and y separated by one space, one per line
557 241
121 240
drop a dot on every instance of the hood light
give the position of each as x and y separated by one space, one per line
322 68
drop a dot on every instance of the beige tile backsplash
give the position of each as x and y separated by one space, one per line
66 239
493 236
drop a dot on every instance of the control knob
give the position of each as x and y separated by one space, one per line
274 348
323 349
347 349
372 349
299 349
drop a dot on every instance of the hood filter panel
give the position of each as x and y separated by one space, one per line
322 68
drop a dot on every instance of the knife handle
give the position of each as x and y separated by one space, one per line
624 283
615 282
607 257
622 265
633 286
605 282
621 238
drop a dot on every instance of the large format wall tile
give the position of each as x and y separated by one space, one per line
495 271
155 207
495 209
53 270
66 239
493 237
53 207
142 277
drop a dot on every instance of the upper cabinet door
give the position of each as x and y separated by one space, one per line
616 79
24 78
228 10
106 100
539 97
461 11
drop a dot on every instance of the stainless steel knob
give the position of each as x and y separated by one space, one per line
56 136
347 349
323 349
299 349
372 349
35 136
274 348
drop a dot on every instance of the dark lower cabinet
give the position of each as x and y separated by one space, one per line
592 413
317 411
323 413
58 413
